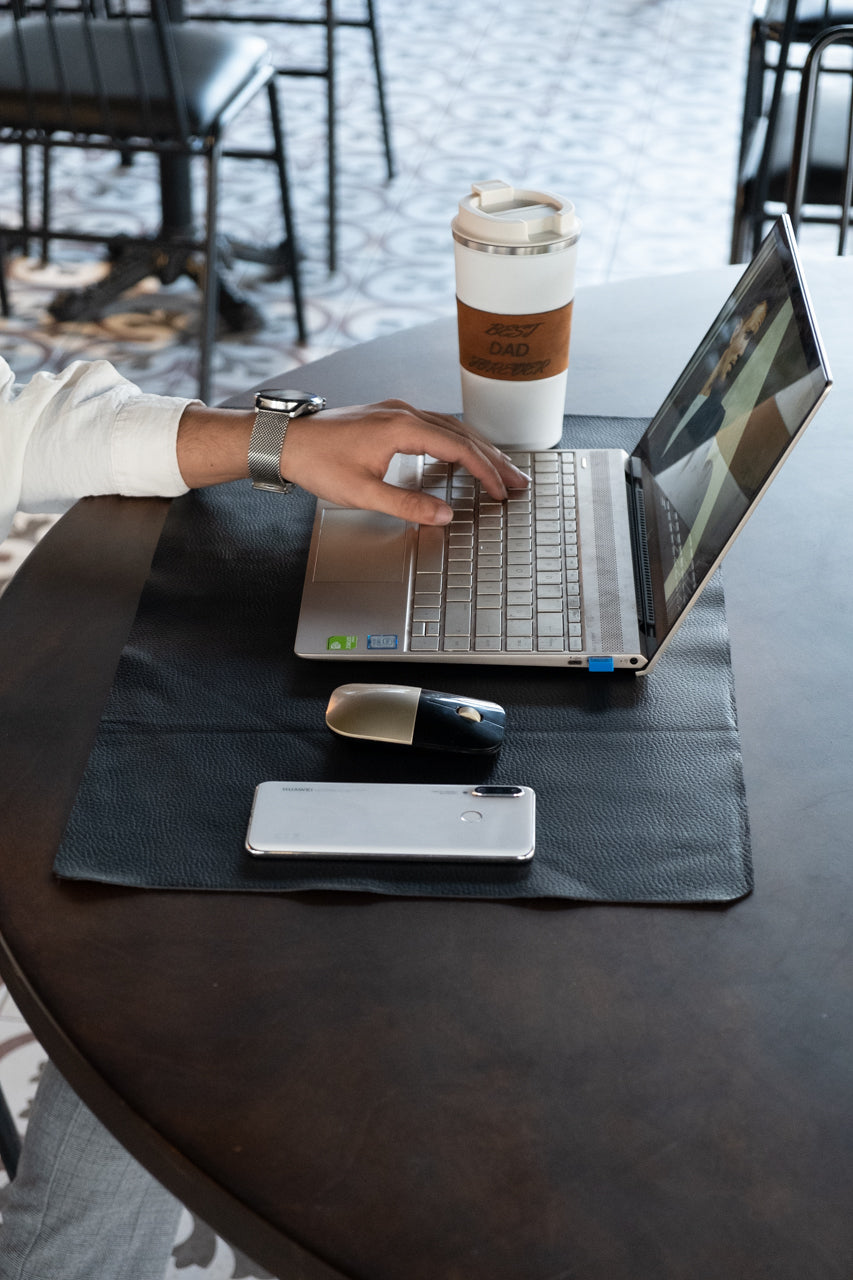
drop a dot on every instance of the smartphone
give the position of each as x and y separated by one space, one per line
403 821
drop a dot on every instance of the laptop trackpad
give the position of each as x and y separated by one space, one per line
360 546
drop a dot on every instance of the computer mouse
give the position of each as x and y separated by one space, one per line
410 716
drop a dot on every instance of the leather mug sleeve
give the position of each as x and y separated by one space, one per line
516 348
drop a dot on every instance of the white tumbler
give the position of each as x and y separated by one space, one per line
515 254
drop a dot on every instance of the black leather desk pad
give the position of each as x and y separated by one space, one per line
640 794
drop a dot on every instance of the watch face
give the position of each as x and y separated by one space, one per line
295 403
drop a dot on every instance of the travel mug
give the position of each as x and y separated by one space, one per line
515 253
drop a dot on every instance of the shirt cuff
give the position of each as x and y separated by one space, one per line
144 446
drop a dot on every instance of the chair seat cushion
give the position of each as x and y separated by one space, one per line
61 90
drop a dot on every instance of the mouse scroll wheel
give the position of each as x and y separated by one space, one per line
469 713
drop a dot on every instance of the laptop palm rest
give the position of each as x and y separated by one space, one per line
380 541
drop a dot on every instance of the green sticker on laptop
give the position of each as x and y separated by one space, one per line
342 642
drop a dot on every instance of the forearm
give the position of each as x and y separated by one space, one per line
89 431
213 445
343 454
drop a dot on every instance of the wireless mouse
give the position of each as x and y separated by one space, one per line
405 715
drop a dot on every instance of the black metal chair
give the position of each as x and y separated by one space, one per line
10 1142
260 15
805 160
4 297
780 33
134 83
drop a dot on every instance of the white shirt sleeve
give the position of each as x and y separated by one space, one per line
83 432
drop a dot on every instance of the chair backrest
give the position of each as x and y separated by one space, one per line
806 18
100 68
803 135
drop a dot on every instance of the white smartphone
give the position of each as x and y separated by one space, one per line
403 821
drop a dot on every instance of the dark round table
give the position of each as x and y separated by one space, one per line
401 1089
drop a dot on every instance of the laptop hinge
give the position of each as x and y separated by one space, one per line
639 537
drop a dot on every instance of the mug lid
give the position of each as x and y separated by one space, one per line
496 213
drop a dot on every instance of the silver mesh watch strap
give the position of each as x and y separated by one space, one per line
265 449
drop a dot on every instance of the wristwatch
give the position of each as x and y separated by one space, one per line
275 409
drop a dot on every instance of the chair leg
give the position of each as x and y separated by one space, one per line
287 211
753 106
735 248
10 1142
25 197
331 122
762 177
741 231
45 205
754 91
210 293
4 297
380 89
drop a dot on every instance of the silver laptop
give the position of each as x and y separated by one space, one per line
599 562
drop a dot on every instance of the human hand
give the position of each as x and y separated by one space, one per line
342 454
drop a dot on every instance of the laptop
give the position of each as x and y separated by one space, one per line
597 565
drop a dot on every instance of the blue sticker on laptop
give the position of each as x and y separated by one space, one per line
382 642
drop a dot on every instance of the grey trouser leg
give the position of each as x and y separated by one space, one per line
80 1207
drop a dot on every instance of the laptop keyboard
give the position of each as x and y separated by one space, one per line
502 577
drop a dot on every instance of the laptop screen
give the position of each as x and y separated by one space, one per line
752 385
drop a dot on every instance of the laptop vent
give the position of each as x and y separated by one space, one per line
605 554
642 557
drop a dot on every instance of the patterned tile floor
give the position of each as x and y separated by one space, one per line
631 107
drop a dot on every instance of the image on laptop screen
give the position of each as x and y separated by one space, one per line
719 436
